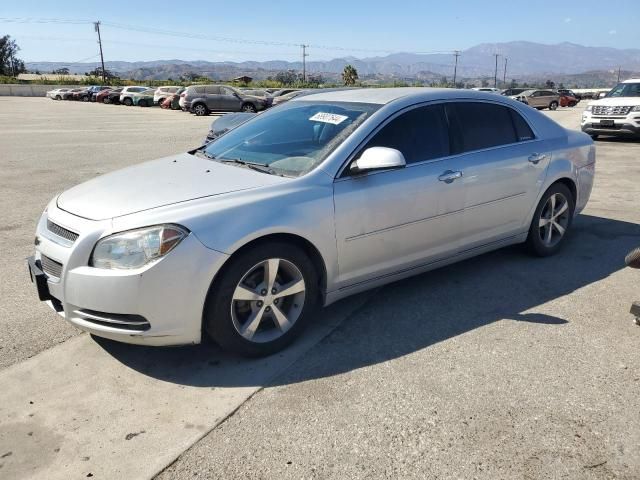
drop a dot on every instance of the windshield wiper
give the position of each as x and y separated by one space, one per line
260 167
204 153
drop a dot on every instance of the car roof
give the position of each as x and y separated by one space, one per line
382 96
632 80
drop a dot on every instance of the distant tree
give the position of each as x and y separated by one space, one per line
189 76
288 77
315 79
444 82
513 83
549 84
97 72
61 71
525 85
9 64
561 85
349 75
484 83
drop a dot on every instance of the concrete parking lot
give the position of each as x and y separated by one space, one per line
503 366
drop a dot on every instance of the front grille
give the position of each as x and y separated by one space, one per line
50 266
135 323
61 231
609 110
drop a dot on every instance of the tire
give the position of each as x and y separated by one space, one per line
142 103
594 136
225 317
573 104
556 218
248 107
200 109
127 101
58 97
160 102
85 98
553 105
106 100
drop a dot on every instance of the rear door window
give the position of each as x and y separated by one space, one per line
480 125
420 134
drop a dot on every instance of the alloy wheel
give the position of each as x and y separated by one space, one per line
268 300
199 110
554 220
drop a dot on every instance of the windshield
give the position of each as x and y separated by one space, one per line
293 138
624 90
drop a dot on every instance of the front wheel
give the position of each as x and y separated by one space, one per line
85 98
262 300
200 110
594 136
127 101
553 105
249 107
551 221
58 97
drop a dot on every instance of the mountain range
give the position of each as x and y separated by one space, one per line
525 60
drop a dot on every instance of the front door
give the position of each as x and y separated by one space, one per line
389 221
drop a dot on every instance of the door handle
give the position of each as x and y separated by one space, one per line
449 176
535 158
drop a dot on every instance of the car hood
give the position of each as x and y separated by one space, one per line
617 101
159 183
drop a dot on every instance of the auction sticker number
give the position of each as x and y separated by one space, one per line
325 117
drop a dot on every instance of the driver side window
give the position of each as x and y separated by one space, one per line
420 134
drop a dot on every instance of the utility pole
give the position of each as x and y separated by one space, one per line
495 75
97 28
504 76
304 62
619 74
456 54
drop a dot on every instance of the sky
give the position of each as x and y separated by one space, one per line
250 30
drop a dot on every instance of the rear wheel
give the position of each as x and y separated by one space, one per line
262 300
553 105
594 136
551 221
58 97
142 103
127 101
572 103
85 98
249 107
200 109
106 100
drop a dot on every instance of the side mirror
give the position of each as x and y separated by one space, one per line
633 258
378 158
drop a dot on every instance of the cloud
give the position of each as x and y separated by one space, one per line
612 32
567 20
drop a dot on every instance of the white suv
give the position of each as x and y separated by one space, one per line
162 93
617 114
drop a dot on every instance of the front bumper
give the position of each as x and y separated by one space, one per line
617 129
159 304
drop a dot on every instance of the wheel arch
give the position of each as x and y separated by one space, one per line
290 238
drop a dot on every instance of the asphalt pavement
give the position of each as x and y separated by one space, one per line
502 366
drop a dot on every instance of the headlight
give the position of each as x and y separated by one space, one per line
136 248
636 108
589 108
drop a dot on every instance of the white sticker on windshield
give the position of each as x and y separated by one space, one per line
329 118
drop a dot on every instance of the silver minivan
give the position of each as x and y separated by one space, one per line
539 99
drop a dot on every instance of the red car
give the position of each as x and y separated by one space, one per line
103 95
568 100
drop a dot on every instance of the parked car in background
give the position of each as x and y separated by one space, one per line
289 96
283 91
144 98
68 95
326 196
203 99
95 89
112 96
539 99
510 92
486 89
256 92
173 101
57 93
567 100
227 122
161 93
617 114
571 93
81 95
126 95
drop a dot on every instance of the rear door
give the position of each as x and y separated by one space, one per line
393 220
212 97
501 176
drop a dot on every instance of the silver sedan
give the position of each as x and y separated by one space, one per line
322 197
